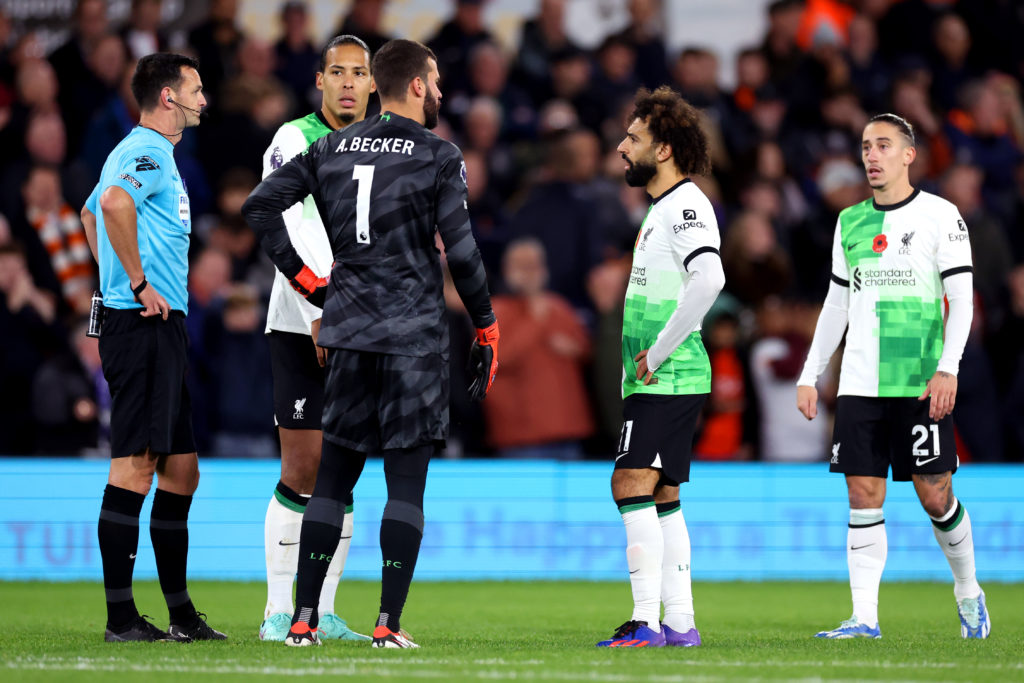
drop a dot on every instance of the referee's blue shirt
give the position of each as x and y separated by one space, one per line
143 166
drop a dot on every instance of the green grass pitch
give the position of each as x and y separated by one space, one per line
539 631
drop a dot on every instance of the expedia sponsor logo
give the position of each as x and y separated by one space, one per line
689 221
961 235
638 276
882 277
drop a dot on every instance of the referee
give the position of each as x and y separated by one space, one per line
138 222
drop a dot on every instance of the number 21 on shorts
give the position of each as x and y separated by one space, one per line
920 433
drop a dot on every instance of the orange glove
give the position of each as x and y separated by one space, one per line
483 361
310 286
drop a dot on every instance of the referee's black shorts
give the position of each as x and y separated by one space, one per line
298 380
378 401
144 361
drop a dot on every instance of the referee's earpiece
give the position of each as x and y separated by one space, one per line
169 99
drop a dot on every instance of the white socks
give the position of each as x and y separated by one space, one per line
676 591
645 548
281 530
953 532
866 550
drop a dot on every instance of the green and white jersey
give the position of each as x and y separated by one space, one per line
288 310
680 225
893 259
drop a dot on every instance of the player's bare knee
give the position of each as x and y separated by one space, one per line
628 483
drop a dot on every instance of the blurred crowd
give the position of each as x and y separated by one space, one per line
554 221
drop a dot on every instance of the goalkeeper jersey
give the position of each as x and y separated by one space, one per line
288 310
893 258
680 225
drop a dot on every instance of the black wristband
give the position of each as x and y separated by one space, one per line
138 290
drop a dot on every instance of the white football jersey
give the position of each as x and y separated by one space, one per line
288 310
894 259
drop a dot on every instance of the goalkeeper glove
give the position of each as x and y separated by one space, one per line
310 286
483 361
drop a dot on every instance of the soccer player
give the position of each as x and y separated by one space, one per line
383 187
345 81
894 258
676 276
137 220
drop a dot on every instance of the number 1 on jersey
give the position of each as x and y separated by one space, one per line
363 175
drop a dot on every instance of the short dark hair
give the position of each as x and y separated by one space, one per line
396 63
346 39
901 124
155 72
673 121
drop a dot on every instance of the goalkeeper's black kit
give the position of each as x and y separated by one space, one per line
385 292
382 186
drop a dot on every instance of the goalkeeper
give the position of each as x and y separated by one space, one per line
383 187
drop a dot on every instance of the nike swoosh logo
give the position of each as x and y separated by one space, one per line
920 462
858 547
634 571
344 537
849 247
132 556
283 543
621 456
958 542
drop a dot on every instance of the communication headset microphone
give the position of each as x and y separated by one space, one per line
198 112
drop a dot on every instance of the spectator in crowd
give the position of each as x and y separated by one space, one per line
540 39
869 74
645 35
990 247
722 434
296 57
488 77
27 318
615 80
978 133
110 124
454 41
215 42
570 81
776 359
106 62
541 409
71 61
364 20
606 286
71 399
482 130
60 231
142 34
950 68
487 215
558 212
756 267
245 402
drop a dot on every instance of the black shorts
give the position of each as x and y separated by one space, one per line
657 432
872 433
298 381
377 401
144 362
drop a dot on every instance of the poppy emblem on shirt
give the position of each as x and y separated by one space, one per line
879 244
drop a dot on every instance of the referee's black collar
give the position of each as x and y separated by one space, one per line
323 119
655 200
892 207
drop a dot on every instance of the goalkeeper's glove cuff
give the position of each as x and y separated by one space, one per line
313 288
